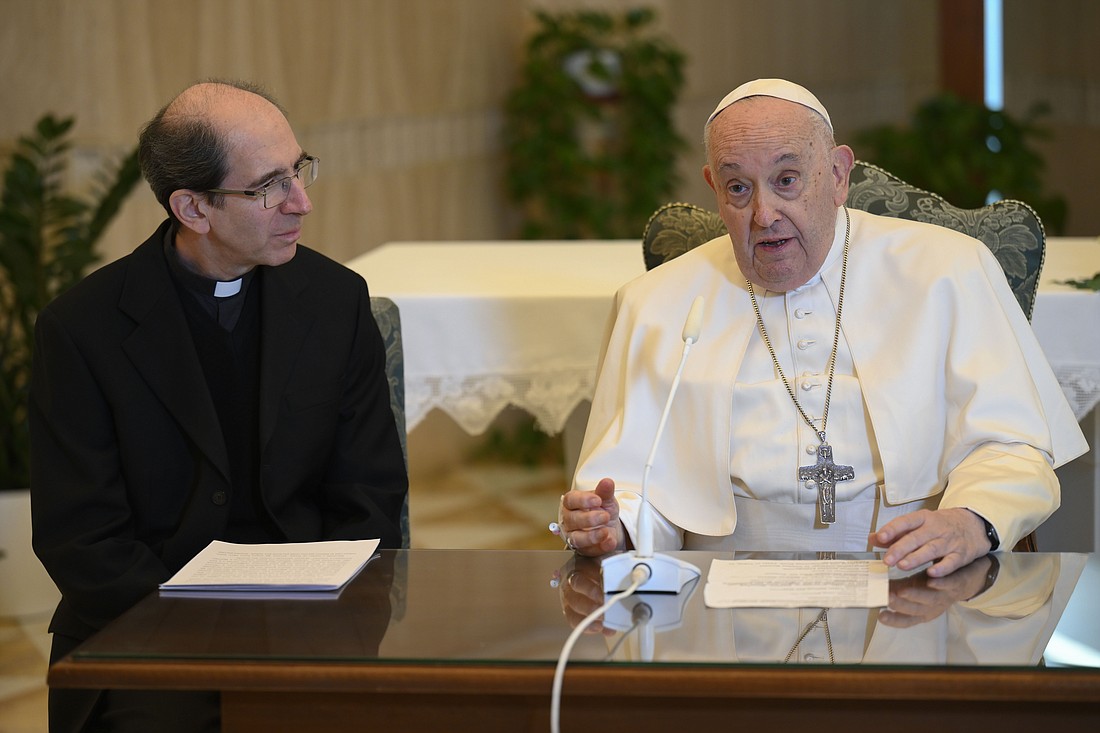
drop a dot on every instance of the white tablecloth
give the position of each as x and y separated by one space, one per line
1067 320
491 324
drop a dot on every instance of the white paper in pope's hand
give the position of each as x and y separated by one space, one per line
298 566
797 584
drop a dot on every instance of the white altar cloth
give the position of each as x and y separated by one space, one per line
491 324
1067 320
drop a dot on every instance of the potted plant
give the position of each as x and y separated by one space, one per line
963 151
47 241
591 145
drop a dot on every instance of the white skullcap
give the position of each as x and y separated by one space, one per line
778 88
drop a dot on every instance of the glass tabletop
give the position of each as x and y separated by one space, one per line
519 607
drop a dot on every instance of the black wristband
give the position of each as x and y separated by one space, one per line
990 575
990 534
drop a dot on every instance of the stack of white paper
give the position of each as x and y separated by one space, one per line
301 567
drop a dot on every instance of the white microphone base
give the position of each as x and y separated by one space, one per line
667 574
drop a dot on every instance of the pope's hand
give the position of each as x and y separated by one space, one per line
948 538
580 583
917 598
590 520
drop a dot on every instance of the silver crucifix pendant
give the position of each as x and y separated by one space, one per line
825 474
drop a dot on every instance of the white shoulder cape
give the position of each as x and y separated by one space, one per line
946 359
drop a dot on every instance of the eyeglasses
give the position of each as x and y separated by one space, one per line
276 192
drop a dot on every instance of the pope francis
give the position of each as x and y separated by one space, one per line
860 382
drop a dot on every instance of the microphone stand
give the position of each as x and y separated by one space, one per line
666 574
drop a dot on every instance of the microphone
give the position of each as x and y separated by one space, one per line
667 574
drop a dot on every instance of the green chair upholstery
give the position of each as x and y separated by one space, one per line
1011 229
674 229
388 318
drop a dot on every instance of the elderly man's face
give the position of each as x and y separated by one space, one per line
778 182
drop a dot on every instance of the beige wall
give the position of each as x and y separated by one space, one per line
1052 55
401 99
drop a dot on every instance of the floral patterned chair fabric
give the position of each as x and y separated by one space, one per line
1011 229
674 229
389 323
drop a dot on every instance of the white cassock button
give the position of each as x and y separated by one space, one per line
806 343
811 485
807 386
801 313
808 657
811 449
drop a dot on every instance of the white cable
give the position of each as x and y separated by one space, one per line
638 576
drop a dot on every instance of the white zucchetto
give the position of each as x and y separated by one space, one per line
778 88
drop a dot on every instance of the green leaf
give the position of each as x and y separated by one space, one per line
1093 283
47 242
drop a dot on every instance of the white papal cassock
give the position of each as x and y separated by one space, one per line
942 396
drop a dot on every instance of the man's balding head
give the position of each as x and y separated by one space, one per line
186 144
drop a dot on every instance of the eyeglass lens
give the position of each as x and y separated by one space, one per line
277 192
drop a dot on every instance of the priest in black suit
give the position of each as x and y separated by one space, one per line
221 382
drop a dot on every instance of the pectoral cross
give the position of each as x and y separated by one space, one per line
825 474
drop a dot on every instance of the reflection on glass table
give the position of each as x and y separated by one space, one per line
1000 610
467 640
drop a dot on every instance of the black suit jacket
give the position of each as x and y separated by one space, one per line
130 475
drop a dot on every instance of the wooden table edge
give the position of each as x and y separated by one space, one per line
853 683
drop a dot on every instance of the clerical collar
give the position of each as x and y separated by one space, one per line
227 289
196 283
221 300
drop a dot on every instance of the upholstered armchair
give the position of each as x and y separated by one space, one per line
1011 229
389 323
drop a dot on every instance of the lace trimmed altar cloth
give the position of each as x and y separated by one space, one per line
491 324
1067 320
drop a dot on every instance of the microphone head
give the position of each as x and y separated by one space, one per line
694 322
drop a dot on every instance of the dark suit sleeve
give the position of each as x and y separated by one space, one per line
366 480
82 518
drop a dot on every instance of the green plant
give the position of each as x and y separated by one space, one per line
963 151
589 132
47 240
523 444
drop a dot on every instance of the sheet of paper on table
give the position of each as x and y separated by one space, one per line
796 584
299 567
